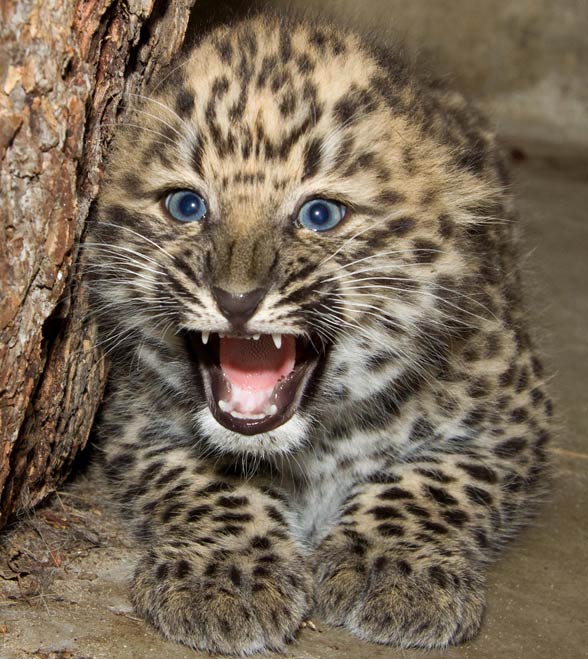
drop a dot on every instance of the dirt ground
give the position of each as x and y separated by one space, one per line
63 569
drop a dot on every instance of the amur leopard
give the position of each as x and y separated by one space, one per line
323 396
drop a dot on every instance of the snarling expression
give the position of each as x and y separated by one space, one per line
276 220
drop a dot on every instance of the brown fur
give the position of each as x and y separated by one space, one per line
418 450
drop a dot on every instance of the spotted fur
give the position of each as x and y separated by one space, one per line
420 445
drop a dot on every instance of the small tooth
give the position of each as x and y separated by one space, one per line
253 417
256 337
225 406
273 409
205 336
277 340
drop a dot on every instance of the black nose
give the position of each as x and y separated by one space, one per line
238 308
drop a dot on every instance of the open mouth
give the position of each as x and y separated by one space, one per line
253 383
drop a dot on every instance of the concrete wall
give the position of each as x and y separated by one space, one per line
526 61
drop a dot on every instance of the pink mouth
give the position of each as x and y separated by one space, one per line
253 384
253 368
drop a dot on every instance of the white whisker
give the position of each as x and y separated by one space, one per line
139 235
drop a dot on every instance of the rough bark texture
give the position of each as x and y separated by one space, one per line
64 67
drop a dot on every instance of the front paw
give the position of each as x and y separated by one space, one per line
229 604
403 599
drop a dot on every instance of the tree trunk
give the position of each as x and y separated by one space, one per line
64 68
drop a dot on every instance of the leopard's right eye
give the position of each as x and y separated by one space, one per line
321 214
185 206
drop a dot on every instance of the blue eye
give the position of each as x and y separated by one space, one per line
321 214
185 206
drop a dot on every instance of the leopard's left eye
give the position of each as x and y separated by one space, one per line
185 206
321 214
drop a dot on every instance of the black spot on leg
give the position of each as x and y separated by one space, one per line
214 488
510 447
481 537
232 501
359 549
404 568
455 517
169 476
507 377
438 576
435 475
433 527
172 511
380 563
523 381
235 575
439 495
519 415
144 531
479 472
382 478
390 530
275 514
261 542
231 529
182 569
421 430
536 396
180 488
197 513
537 367
417 511
385 512
162 571
478 496
394 493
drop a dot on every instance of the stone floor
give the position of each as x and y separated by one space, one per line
63 570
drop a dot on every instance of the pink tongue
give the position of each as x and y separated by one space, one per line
257 365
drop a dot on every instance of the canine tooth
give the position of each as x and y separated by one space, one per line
277 340
205 336
273 409
256 337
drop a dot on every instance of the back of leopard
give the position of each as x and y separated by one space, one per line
323 392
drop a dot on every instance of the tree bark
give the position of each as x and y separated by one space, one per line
64 69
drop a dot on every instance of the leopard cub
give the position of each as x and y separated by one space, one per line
323 394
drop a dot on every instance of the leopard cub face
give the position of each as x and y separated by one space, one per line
280 211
